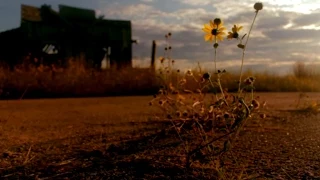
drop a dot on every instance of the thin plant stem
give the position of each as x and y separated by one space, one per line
244 49
222 93
251 94
211 83
215 55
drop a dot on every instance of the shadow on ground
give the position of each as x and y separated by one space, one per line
128 158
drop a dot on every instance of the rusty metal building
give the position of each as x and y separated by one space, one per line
50 36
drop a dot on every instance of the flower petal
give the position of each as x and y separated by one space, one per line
208 37
234 29
206 30
220 38
222 29
222 33
208 26
211 24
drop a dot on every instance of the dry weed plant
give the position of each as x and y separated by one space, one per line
207 119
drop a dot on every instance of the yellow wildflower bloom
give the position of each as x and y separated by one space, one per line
214 30
234 33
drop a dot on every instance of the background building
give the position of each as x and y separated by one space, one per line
51 36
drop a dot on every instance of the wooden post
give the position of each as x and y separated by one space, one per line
153 54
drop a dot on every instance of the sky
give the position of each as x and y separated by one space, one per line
285 31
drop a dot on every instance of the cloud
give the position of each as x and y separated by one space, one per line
293 34
308 19
196 2
278 39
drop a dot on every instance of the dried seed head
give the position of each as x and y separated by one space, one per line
185 114
215 45
165 48
217 21
206 76
178 70
150 103
170 47
263 116
255 104
226 115
189 72
241 46
252 78
161 102
169 34
249 80
258 6
169 116
172 61
178 113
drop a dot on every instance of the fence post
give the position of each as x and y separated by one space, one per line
153 54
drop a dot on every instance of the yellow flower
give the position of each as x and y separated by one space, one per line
214 30
234 33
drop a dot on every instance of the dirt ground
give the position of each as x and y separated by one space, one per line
113 138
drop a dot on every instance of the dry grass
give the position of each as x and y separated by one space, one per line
76 80
103 137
